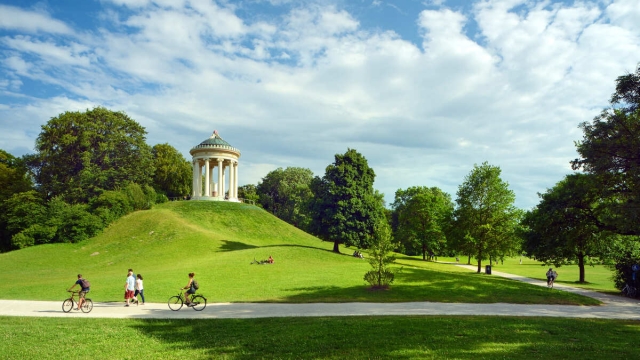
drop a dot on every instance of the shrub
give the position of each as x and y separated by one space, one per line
380 257
111 205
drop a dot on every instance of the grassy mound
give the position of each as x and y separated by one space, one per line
217 241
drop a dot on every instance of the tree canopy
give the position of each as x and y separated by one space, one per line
286 193
562 228
486 218
79 154
422 215
609 151
173 175
345 208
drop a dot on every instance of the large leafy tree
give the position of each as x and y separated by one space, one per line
80 154
609 151
173 175
14 179
562 228
422 215
286 193
345 208
485 215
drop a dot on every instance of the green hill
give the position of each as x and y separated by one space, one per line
217 241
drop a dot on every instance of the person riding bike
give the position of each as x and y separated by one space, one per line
83 291
551 276
191 289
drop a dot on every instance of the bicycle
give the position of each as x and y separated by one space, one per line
629 291
70 303
198 302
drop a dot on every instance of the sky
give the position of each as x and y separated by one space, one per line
424 89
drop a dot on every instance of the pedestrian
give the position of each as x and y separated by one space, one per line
129 287
139 290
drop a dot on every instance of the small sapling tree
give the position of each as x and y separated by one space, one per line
381 257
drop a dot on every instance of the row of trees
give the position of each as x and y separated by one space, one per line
89 168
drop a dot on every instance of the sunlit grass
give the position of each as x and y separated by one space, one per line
366 337
217 241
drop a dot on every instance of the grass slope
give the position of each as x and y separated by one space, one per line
218 240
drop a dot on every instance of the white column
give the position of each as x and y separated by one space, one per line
222 187
235 177
206 178
193 178
231 180
220 180
199 179
211 180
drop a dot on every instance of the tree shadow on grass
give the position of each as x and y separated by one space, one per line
228 245
425 285
392 337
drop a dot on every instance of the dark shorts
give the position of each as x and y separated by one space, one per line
191 291
549 278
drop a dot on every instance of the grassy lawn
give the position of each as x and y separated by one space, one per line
598 277
408 337
218 240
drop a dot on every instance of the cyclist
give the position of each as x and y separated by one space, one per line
551 276
191 289
83 291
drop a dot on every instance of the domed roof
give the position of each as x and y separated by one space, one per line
215 141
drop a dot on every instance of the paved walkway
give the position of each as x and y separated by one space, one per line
613 307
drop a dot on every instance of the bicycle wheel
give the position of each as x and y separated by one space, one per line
87 306
199 302
67 305
175 303
632 292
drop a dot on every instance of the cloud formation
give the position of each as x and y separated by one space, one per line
292 84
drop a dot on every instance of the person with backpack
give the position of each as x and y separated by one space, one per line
192 286
85 286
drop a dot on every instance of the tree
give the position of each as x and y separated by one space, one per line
14 179
562 228
173 175
345 208
380 257
422 216
285 193
485 214
249 193
609 151
79 154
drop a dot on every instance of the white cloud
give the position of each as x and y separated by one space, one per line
294 90
17 19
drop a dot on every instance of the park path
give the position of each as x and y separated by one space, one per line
613 307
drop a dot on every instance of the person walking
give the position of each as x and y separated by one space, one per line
139 290
129 287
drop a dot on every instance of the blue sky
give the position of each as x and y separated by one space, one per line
424 89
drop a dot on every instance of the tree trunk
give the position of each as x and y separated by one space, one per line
490 262
336 248
479 261
581 266
424 252
469 260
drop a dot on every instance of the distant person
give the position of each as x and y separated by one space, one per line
270 260
190 288
551 276
520 261
83 290
129 287
139 290
457 259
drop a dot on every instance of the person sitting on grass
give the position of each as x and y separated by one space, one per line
270 260
191 289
